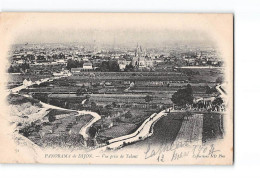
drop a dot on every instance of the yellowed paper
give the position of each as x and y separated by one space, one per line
116 88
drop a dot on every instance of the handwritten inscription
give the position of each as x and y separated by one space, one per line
179 150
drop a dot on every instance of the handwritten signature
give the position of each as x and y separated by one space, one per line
152 151
176 150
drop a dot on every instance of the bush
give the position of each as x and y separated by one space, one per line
128 115
183 96
219 80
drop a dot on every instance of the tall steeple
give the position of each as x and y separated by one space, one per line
138 51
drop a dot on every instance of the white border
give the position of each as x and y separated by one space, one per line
247 88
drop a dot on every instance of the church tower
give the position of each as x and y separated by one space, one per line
135 60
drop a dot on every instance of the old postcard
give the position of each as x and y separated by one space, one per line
116 88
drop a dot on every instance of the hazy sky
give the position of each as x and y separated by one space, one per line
111 37
127 29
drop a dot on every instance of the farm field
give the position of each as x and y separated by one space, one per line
63 132
213 127
45 127
123 125
111 95
165 132
180 127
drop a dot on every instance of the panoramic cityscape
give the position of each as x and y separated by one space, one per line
89 96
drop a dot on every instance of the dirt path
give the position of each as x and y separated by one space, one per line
83 130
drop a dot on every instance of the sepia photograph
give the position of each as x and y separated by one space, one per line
116 88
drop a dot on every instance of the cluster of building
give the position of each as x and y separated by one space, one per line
51 58
202 58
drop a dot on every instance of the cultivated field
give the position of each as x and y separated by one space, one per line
122 106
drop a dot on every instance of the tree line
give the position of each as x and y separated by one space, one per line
18 68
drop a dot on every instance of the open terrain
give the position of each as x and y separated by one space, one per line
121 100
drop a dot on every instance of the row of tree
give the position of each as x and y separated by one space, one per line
185 96
109 66
74 64
105 66
129 68
18 68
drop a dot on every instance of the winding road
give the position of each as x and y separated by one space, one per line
84 129
143 132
